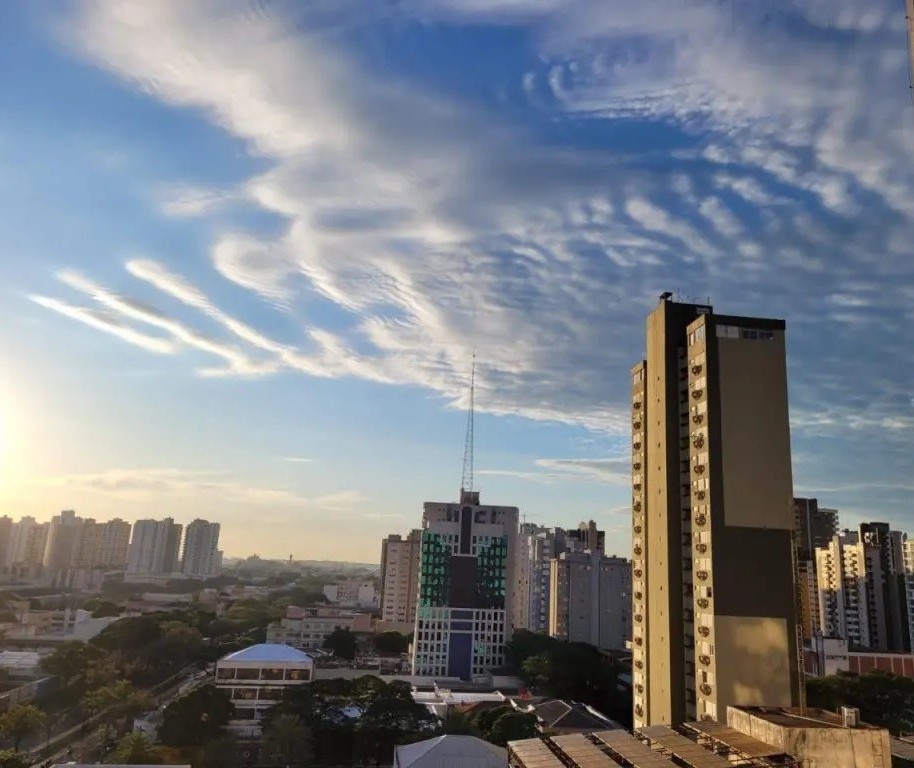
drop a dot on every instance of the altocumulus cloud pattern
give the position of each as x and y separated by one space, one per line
524 176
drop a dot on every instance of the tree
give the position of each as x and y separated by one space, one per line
883 699
11 759
21 721
128 635
69 662
106 608
219 753
456 723
487 717
390 643
118 700
525 644
512 726
343 643
197 718
137 749
287 742
392 717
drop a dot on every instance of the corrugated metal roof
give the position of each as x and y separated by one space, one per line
633 751
736 740
535 753
902 749
684 749
583 751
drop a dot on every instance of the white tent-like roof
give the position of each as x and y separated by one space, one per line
450 752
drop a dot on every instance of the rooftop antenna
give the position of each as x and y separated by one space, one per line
466 481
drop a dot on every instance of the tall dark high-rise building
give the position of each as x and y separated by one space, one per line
714 598
890 547
816 526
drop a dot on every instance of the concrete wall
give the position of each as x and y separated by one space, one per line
753 661
755 434
819 747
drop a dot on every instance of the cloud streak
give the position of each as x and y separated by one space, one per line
161 483
431 225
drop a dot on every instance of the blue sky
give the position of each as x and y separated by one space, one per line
248 248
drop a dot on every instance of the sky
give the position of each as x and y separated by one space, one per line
247 250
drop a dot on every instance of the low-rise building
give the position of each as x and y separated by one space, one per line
256 677
307 628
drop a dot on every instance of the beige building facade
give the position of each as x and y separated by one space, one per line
714 595
400 576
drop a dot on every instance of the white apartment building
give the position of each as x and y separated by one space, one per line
256 677
102 545
63 540
352 594
307 628
523 567
842 575
466 588
400 576
27 542
154 547
201 556
591 599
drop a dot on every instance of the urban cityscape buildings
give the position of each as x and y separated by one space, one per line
863 588
712 518
591 599
464 611
74 552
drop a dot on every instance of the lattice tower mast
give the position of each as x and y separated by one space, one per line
466 481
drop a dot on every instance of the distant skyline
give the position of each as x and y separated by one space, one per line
248 248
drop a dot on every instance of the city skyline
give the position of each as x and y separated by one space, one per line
248 254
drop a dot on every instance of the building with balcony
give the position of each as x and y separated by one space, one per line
400 576
713 569
255 678
591 599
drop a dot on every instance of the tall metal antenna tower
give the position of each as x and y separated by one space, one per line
466 481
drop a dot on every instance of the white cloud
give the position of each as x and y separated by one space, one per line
108 323
162 483
434 228
616 471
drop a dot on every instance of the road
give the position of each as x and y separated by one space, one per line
85 737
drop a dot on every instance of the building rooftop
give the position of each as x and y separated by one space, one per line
268 652
559 714
450 752
805 717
